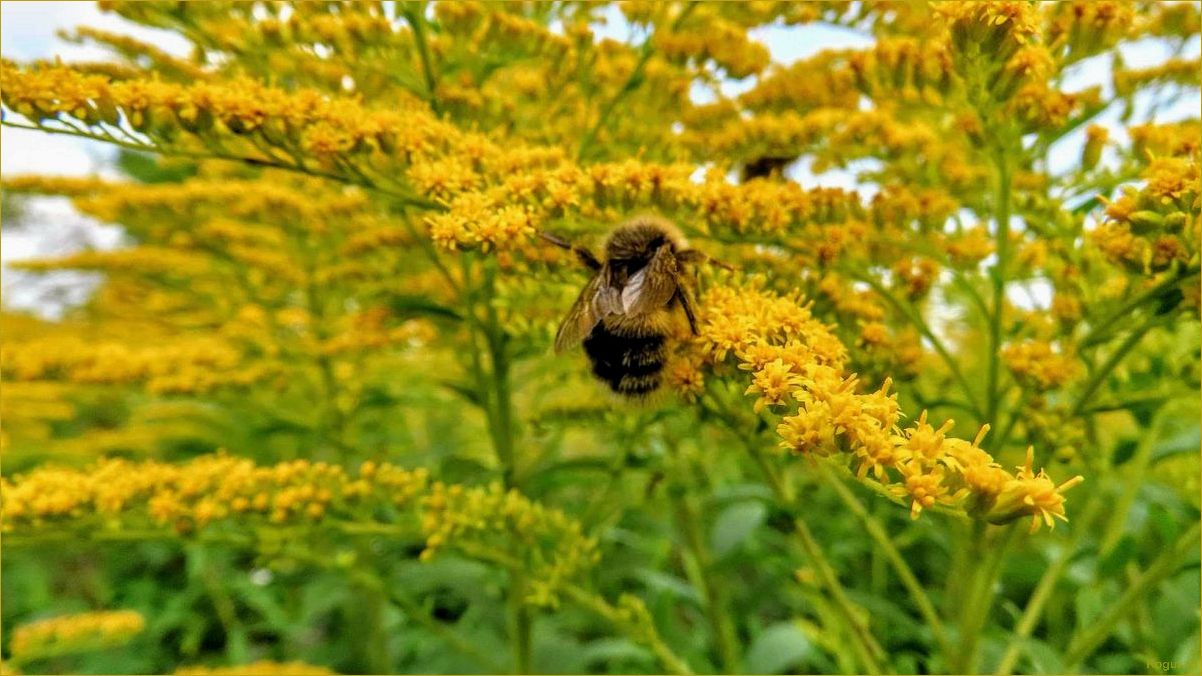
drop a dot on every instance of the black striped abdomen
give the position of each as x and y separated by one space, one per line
630 363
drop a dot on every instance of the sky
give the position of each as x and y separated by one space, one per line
28 30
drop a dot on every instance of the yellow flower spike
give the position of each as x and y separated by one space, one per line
74 633
925 444
1037 365
775 381
1032 494
260 668
923 486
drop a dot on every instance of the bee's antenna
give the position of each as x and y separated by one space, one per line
590 261
693 255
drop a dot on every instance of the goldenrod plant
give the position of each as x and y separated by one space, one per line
940 419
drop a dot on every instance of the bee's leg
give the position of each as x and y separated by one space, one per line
586 257
687 304
695 256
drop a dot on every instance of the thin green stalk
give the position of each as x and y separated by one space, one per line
639 629
980 595
998 274
501 431
1016 414
494 386
497 341
1100 332
716 611
452 637
869 651
915 318
1043 591
417 21
1133 480
1088 638
402 198
642 633
646 52
223 603
894 557
1099 376
520 622
871 654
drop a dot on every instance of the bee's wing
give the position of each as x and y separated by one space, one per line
653 286
584 314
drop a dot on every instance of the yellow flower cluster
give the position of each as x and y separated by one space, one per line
1175 139
994 29
1176 19
143 260
305 120
793 357
905 67
1151 228
66 186
549 544
74 633
814 83
135 50
301 206
260 668
527 181
480 220
212 490
969 247
1184 72
1037 364
1085 27
499 29
725 43
181 366
202 492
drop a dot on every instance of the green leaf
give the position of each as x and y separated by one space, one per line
671 585
1188 441
1044 658
411 305
605 650
734 525
777 649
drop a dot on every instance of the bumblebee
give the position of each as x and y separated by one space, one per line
631 306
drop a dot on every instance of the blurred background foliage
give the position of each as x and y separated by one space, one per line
328 270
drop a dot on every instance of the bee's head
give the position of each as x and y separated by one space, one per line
637 240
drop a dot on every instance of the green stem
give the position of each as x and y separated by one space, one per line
497 341
227 612
716 611
1099 376
452 637
520 622
865 644
632 82
998 275
417 21
869 650
642 633
402 198
501 430
980 594
1043 591
915 318
1133 480
635 625
1087 640
1100 332
894 557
